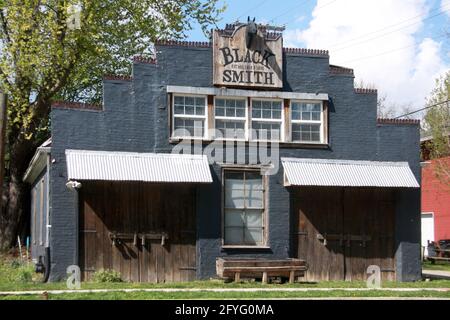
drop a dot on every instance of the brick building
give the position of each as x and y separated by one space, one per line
340 189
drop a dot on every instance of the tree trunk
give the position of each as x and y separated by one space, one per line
14 221
15 214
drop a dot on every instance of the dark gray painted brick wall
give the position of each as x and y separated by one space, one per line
38 227
135 118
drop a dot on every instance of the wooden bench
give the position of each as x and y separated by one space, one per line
260 268
441 253
434 259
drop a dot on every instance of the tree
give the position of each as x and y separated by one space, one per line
437 124
60 49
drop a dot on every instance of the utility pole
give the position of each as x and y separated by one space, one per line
2 143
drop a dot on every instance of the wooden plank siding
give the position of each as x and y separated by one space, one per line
142 208
358 225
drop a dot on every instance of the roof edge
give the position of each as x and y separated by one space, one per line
365 91
76 105
341 70
140 154
37 164
144 59
121 77
347 162
398 121
207 44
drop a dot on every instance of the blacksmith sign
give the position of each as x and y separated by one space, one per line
248 57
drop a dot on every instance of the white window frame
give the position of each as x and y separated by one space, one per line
321 122
265 219
245 118
281 121
193 116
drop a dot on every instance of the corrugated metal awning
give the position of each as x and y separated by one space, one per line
130 166
347 173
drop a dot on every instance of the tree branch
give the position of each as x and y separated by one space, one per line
5 26
4 77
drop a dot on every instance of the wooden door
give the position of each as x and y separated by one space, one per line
340 232
138 214
316 220
369 218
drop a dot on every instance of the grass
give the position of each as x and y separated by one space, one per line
230 295
5 286
441 266
16 275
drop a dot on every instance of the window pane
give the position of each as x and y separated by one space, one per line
179 100
234 198
254 199
231 129
264 109
306 132
179 109
254 218
189 101
240 112
220 111
200 101
315 136
230 112
234 235
220 103
234 191
253 236
256 113
253 181
200 111
230 107
189 110
190 105
188 127
234 218
276 114
306 111
266 130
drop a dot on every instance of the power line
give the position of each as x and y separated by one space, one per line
422 109
385 28
252 8
387 33
387 52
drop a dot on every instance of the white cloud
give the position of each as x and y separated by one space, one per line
377 39
445 6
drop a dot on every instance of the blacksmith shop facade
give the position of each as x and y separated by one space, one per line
234 148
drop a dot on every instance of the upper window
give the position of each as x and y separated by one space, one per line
267 119
307 122
244 119
230 118
243 208
189 116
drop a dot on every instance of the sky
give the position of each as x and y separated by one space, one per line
397 46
